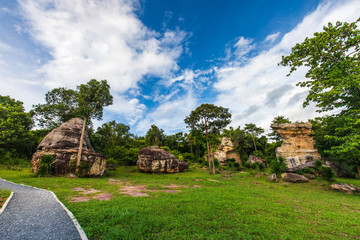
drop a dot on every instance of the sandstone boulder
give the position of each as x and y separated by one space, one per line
226 151
253 159
298 143
292 177
273 178
346 188
63 144
154 159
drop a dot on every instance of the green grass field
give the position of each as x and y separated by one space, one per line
235 206
4 194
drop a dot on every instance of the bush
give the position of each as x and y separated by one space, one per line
216 162
247 165
45 166
277 165
318 164
326 173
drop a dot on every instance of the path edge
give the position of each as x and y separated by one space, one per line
72 217
68 212
6 202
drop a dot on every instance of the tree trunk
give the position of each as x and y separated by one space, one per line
358 168
254 143
208 148
80 146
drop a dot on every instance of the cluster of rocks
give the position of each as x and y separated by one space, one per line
253 159
226 151
63 144
154 160
298 143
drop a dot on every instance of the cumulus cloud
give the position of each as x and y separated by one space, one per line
258 90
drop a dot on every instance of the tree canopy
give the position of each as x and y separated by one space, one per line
332 58
208 119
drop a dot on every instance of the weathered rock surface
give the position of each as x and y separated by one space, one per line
309 175
273 178
292 177
154 159
346 188
301 166
298 143
253 159
63 144
226 151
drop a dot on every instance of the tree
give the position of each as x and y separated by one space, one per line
208 119
333 77
253 131
333 61
277 120
15 125
92 98
61 105
154 136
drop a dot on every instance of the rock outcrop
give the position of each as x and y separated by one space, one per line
298 143
292 177
154 159
253 159
226 151
63 144
346 188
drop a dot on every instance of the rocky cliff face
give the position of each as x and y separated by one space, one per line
298 143
225 151
63 144
154 159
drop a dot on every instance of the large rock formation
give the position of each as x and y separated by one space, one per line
154 159
298 143
225 151
63 144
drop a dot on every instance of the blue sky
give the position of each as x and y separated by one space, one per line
164 58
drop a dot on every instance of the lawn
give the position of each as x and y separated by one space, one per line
4 194
242 205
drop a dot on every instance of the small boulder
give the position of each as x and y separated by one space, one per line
346 188
154 159
253 159
273 178
309 175
292 177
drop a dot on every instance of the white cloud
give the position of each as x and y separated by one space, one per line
272 37
259 90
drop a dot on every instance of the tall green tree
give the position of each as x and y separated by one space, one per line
332 58
154 136
254 132
92 98
15 125
208 119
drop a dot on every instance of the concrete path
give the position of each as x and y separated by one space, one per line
35 213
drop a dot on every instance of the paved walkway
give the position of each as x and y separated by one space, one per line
34 214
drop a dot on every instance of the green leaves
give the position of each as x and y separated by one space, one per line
333 61
63 104
208 117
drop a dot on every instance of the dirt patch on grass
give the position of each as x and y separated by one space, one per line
100 197
142 191
213 180
103 196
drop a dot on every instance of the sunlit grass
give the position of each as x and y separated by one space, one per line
239 206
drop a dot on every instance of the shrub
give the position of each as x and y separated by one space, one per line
247 165
45 166
318 164
216 162
326 173
277 165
